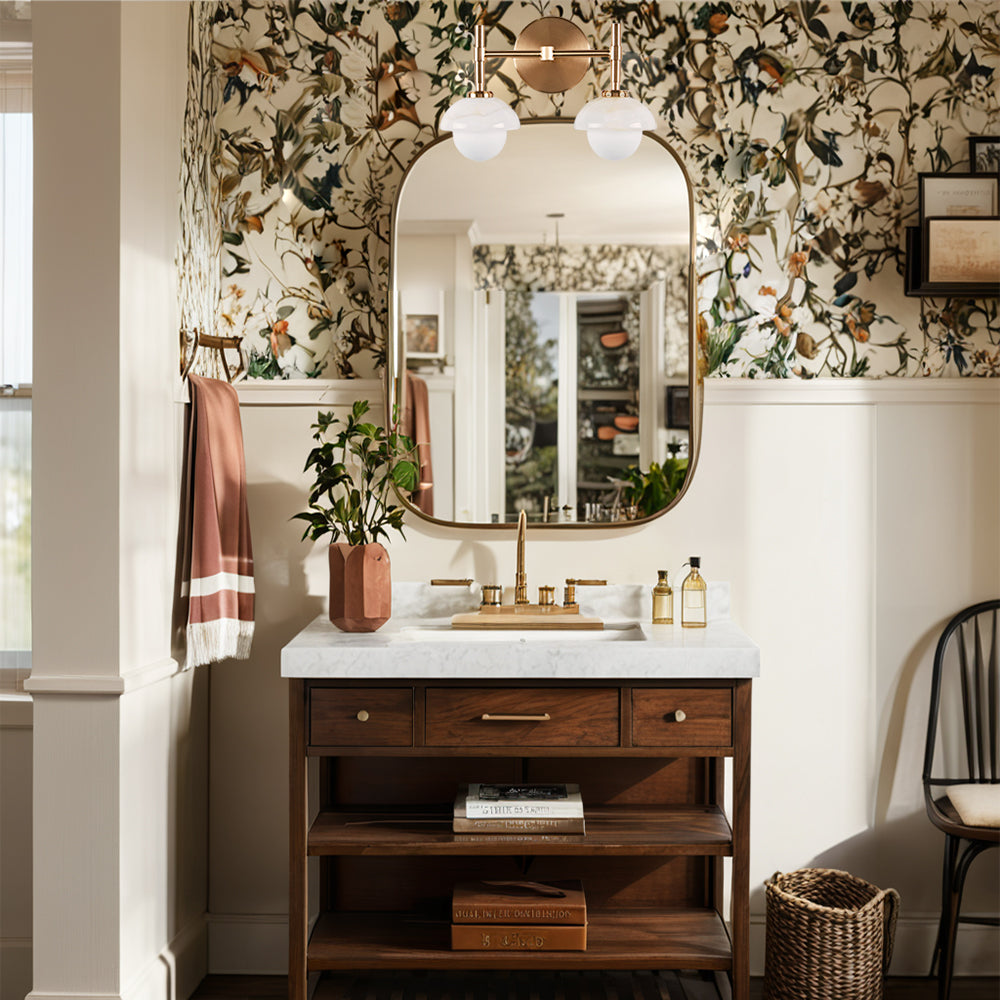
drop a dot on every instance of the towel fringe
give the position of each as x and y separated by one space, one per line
216 640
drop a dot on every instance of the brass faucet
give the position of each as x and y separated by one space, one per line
521 578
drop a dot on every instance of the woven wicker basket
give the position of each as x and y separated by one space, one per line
829 936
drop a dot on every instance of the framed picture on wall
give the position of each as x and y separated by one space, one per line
422 322
984 154
679 407
960 256
966 194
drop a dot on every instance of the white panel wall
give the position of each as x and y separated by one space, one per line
851 520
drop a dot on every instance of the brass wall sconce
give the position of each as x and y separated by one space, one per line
551 55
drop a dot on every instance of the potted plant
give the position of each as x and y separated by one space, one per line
355 466
653 490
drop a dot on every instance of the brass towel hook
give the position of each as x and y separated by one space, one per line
193 340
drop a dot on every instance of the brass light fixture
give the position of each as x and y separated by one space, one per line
551 55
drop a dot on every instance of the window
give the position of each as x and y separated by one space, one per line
15 349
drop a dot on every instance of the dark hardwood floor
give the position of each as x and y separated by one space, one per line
275 987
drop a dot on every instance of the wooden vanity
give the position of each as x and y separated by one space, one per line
374 767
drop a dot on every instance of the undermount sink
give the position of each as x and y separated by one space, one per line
612 632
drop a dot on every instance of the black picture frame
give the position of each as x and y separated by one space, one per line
911 265
679 407
915 281
935 201
988 144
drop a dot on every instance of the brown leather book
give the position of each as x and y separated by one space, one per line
532 825
500 937
519 903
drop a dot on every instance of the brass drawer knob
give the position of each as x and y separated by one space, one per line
680 715
363 716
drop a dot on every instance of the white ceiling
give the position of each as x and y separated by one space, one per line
548 167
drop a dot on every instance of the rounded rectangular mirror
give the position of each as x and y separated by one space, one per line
542 354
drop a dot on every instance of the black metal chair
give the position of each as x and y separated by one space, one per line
962 671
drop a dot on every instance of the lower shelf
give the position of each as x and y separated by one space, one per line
584 984
616 939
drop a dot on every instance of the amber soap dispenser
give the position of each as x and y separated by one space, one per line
663 600
694 594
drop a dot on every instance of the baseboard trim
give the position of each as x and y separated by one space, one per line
251 944
975 949
174 973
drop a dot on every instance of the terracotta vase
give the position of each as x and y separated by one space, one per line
360 587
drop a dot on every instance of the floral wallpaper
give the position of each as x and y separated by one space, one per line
803 126
576 267
199 248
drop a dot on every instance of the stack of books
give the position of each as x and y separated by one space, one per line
519 916
531 809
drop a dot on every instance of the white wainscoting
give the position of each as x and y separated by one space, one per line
851 518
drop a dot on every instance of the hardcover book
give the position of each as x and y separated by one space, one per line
537 824
497 937
499 801
519 903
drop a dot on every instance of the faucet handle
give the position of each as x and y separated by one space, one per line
569 594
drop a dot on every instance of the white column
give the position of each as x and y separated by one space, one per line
120 735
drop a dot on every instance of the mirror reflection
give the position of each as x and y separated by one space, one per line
543 353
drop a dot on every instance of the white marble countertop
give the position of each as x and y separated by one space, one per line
425 647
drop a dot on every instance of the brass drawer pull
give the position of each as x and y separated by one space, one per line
544 717
680 715
363 716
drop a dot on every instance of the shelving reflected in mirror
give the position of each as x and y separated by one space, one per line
542 353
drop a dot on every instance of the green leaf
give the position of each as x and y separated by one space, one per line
404 475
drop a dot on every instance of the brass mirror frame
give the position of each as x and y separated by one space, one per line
392 395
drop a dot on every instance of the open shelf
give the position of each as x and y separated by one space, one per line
507 984
611 830
616 939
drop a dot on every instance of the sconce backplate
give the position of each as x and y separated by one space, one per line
555 75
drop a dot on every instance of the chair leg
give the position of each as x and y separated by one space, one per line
959 871
948 867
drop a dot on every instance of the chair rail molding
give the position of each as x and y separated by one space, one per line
850 391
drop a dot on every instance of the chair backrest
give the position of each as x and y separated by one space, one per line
968 648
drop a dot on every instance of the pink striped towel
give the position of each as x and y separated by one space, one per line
218 557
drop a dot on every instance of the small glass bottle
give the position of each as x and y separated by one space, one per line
663 600
694 591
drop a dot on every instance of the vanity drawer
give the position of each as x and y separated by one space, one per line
361 717
495 717
706 717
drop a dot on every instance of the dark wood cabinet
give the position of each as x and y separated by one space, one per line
382 763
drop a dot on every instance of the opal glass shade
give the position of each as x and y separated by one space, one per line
614 125
479 126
